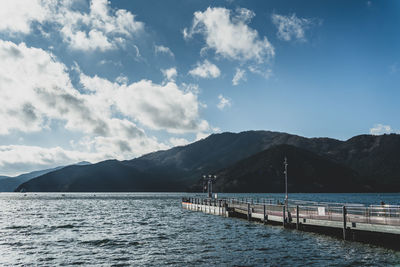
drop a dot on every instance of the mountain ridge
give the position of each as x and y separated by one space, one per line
180 168
9 183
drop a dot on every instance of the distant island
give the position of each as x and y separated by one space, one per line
250 161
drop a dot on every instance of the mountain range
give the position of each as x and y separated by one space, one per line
9 184
249 161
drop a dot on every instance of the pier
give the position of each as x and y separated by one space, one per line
377 224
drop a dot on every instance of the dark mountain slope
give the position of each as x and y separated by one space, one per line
308 172
9 184
107 176
220 150
175 169
374 158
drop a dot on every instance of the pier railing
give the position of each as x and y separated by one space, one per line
352 213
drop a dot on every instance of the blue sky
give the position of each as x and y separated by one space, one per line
92 80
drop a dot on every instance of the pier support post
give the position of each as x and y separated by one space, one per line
248 212
265 215
297 217
344 222
284 216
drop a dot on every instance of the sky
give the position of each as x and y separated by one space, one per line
95 80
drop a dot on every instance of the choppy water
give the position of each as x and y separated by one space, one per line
152 229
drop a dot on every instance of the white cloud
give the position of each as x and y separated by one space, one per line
26 76
102 28
266 73
202 135
240 75
160 107
30 158
178 141
160 49
229 34
379 129
122 79
16 16
291 27
45 93
191 88
170 74
223 102
205 70
36 90
17 159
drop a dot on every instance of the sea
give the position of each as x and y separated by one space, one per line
152 229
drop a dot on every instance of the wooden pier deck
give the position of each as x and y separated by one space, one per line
378 224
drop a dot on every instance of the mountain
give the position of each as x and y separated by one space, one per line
175 169
9 184
308 172
371 158
375 158
106 176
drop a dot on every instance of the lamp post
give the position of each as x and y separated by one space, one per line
210 179
286 191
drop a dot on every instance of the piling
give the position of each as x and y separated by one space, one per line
284 216
265 215
344 222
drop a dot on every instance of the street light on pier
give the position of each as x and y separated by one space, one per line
286 191
210 179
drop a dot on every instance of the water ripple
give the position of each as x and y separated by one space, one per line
151 229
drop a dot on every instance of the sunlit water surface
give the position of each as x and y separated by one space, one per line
134 229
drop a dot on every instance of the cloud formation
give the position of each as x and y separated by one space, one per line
170 74
228 34
240 75
223 102
160 49
205 70
178 141
159 107
106 113
30 158
291 27
101 28
17 16
379 129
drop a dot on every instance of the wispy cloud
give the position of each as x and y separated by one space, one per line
178 141
205 70
291 27
223 102
240 75
380 129
160 49
170 74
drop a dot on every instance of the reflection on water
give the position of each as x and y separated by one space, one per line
153 229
